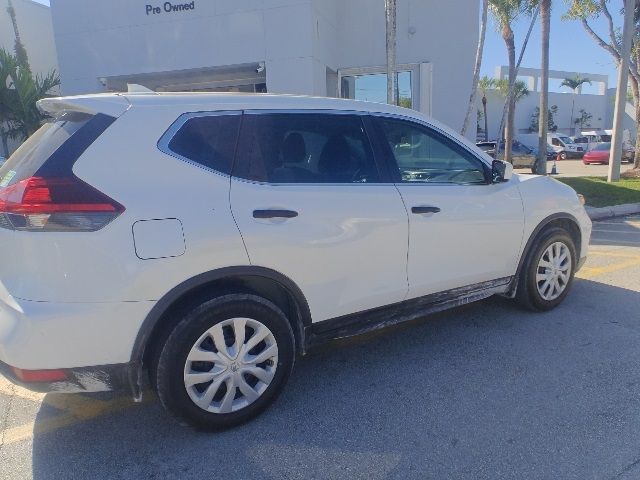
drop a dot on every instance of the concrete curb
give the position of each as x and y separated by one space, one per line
613 211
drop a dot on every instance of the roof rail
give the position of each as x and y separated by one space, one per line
135 88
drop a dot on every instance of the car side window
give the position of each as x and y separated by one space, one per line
425 156
305 148
209 140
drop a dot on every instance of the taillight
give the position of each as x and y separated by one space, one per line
57 204
39 376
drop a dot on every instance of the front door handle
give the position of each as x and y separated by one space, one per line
274 214
424 209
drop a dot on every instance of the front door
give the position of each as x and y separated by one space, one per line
309 201
464 230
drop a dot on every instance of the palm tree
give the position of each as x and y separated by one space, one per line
390 8
476 68
19 92
574 84
545 30
588 11
21 52
485 84
519 91
506 12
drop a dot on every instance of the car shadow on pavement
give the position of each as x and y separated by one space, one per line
482 391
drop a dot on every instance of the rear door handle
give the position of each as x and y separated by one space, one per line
424 209
274 214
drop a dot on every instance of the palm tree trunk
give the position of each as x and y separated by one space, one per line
477 67
543 119
390 16
5 142
486 120
507 35
573 106
509 108
635 90
21 52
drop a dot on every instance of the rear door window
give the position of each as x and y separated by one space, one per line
33 153
305 148
206 139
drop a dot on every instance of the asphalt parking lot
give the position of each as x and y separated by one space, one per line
575 168
486 391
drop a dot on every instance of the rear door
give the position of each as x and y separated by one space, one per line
312 203
464 230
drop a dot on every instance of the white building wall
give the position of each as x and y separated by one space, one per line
444 34
299 41
596 105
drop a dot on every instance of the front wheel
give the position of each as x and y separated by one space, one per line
563 156
548 271
225 361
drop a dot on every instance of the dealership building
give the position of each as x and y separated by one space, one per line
313 47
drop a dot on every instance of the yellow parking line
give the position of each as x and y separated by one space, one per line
77 405
588 273
29 430
8 388
87 409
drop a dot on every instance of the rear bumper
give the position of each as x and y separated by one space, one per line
70 336
85 379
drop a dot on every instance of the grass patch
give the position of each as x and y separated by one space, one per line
599 193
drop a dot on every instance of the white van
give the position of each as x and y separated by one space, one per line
592 138
565 146
558 143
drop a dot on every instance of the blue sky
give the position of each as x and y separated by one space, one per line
571 48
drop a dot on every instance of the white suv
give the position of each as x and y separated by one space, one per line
208 239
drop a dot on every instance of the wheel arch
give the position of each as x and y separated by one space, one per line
267 283
565 221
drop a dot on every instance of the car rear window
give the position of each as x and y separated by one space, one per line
206 139
33 153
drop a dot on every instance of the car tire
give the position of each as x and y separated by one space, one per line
563 156
225 362
548 271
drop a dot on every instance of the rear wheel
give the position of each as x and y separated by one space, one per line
548 271
225 362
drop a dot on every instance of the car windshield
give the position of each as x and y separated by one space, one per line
566 140
603 147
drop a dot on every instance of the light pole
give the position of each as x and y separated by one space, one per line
621 94
390 16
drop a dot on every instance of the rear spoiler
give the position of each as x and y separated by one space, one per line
113 105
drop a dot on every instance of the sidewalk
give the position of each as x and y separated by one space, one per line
613 211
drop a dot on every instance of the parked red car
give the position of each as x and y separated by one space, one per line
600 154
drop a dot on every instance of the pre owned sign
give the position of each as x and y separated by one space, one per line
169 7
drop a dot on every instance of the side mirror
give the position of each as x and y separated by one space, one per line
501 171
